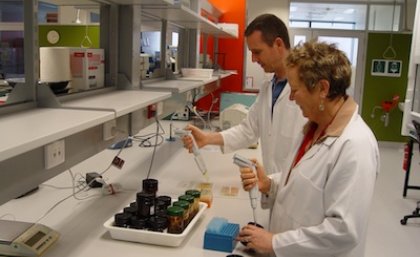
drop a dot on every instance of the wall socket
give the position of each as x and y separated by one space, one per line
54 154
109 129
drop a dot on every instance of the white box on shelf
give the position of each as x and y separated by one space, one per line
151 237
87 68
231 28
197 73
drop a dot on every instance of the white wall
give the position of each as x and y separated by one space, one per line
255 8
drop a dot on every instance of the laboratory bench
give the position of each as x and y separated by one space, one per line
80 222
26 130
121 102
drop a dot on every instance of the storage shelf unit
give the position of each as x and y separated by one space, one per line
187 18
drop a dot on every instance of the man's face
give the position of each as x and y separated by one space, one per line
262 53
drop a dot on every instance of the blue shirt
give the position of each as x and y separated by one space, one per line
277 88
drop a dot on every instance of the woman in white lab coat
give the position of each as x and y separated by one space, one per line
320 207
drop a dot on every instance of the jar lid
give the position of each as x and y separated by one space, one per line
188 198
122 219
157 222
138 223
182 204
194 192
165 198
150 185
175 211
144 196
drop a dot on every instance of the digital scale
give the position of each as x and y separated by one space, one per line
25 239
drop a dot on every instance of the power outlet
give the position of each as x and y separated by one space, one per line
108 129
54 154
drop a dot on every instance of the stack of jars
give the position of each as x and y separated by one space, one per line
149 211
155 213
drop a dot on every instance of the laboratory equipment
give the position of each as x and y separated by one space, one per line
196 151
55 68
25 239
232 115
87 68
253 193
220 235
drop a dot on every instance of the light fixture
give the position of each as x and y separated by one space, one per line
78 21
349 11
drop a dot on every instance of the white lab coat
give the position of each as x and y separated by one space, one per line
278 136
323 209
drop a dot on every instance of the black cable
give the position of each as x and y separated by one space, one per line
154 146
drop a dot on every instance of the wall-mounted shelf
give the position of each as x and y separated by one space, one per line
183 84
24 131
120 102
174 86
187 18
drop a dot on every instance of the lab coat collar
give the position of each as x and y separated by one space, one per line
339 123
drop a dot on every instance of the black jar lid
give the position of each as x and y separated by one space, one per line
144 197
122 219
137 223
131 210
158 223
165 198
150 185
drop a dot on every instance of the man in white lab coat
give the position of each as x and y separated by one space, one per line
320 206
273 118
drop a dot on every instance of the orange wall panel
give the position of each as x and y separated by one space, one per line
231 51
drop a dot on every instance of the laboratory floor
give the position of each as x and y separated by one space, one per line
386 236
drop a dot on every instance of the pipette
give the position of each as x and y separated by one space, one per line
253 193
196 151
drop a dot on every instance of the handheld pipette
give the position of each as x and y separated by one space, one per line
196 151
253 193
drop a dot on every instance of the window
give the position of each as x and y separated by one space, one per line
384 17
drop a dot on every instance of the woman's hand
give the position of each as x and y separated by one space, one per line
250 179
256 238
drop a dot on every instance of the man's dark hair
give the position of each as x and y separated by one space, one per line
271 27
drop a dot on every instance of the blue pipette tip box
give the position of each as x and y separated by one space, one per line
220 235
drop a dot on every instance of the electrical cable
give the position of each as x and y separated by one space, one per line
154 147
75 192
145 140
213 101
194 109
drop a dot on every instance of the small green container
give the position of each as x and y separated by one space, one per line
175 219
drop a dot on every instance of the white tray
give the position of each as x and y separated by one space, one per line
151 237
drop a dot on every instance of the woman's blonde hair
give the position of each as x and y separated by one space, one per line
318 60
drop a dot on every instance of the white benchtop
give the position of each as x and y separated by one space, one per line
120 102
27 130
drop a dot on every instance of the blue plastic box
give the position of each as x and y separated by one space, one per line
220 235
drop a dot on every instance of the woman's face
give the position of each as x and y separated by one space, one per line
307 101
